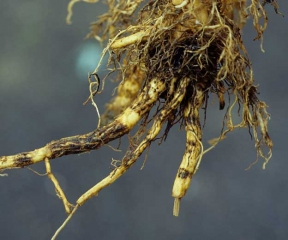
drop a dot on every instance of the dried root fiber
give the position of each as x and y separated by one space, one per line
173 54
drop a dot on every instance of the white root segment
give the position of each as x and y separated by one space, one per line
193 149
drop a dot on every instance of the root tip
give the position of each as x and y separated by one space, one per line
176 207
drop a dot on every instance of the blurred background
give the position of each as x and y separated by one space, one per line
43 83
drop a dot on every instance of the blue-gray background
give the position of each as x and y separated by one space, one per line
43 83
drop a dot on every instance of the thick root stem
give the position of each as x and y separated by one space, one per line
93 140
193 149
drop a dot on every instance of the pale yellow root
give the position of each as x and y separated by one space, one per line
192 155
127 92
58 189
70 6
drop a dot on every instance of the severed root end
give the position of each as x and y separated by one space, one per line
176 207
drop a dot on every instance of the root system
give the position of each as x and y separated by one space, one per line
176 54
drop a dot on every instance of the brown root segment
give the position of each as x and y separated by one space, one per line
193 149
93 140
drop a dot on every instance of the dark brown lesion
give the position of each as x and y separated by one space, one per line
183 173
66 146
23 160
87 142
19 160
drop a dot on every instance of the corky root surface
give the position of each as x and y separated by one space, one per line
173 55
